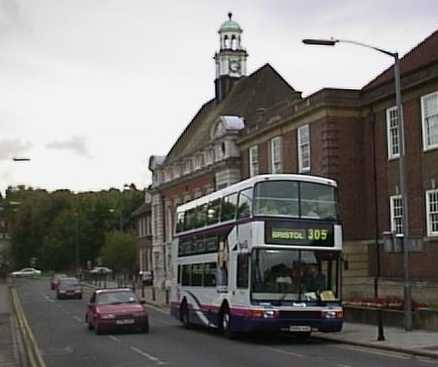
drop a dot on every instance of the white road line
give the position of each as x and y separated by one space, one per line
382 352
147 355
49 299
115 338
285 352
77 318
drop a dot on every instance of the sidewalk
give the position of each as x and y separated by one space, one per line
8 343
418 342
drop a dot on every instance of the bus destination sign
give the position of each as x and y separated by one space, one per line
300 234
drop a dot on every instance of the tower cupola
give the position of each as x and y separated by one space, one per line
231 58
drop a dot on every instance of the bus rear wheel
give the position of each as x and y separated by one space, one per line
225 323
184 315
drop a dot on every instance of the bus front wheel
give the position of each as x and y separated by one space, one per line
225 323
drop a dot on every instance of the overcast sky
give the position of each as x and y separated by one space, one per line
89 89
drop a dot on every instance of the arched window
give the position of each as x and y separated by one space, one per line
233 42
226 42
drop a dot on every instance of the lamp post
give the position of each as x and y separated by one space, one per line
402 177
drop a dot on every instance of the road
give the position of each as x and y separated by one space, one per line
65 341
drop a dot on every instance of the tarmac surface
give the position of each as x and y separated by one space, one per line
64 340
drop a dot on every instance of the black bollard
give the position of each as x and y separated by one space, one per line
381 336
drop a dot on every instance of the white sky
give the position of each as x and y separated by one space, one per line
89 89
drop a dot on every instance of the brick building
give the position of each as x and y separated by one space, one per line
260 124
352 136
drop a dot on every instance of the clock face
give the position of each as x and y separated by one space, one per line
234 66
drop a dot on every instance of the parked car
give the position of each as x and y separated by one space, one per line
54 281
69 288
116 308
26 272
101 270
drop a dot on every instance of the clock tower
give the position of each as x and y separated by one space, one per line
231 58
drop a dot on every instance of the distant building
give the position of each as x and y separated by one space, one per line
143 223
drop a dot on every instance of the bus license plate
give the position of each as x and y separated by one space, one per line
300 328
125 322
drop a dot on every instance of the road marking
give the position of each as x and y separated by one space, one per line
147 355
49 299
285 352
384 353
115 338
77 318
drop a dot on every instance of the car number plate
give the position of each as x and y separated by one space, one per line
125 322
300 328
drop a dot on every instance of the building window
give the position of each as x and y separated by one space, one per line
392 133
303 149
187 166
396 208
276 155
253 161
429 111
432 212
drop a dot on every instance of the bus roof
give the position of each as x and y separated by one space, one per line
250 182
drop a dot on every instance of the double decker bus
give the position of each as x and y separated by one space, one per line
262 254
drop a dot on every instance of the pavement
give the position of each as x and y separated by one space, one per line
8 341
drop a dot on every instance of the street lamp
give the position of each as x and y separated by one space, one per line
402 177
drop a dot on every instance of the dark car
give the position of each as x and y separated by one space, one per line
69 288
116 308
55 280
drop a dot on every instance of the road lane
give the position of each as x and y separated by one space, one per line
65 341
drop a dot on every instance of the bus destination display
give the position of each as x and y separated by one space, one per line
300 234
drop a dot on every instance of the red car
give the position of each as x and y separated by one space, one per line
116 308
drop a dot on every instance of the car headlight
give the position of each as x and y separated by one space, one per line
107 316
332 314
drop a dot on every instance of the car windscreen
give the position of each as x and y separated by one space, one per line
115 298
69 283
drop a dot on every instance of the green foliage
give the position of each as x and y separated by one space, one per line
50 226
119 251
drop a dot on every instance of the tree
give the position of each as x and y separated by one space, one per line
119 251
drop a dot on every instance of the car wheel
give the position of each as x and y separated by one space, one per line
97 329
225 323
185 319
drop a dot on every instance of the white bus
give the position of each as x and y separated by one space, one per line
262 254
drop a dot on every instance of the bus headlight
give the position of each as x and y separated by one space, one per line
270 314
263 314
